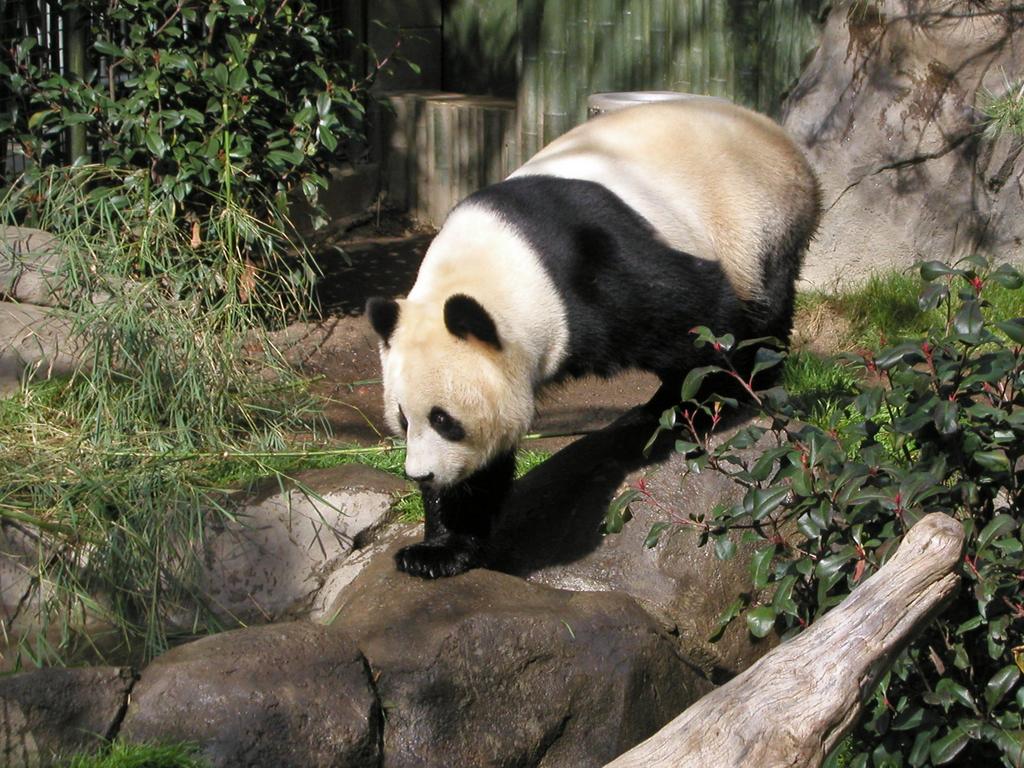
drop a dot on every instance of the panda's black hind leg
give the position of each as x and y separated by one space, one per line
458 522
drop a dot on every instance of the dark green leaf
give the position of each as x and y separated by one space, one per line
239 79
946 749
920 752
945 417
155 142
766 500
107 48
765 358
933 295
760 566
829 566
618 513
760 620
1000 684
655 534
730 613
997 526
868 402
1007 276
909 720
693 380
725 547
1013 328
908 352
969 320
994 461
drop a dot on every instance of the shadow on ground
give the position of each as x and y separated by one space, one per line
555 513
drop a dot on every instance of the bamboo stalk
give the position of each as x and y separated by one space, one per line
681 21
529 99
555 75
74 44
660 45
718 50
603 64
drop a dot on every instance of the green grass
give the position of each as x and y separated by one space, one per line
123 755
115 472
885 309
1006 112
806 374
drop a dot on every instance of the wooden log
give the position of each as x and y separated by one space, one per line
794 706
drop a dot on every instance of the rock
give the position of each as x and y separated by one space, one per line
50 712
34 342
30 265
485 669
330 595
274 560
293 694
888 111
550 534
21 600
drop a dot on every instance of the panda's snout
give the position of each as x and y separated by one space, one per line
420 478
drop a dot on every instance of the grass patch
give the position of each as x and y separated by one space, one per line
811 376
884 309
1006 112
123 755
112 474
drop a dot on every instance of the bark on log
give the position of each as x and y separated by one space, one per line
793 706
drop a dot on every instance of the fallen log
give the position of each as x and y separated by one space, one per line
796 703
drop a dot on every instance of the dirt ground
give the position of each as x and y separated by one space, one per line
341 351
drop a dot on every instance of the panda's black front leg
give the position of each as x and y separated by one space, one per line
458 522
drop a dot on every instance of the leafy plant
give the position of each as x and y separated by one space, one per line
242 98
175 257
932 424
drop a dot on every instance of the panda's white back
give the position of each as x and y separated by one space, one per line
713 179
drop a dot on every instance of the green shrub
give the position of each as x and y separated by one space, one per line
176 256
247 99
933 424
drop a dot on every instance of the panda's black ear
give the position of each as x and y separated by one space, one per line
383 314
463 316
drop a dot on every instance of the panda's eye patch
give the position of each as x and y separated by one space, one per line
445 424
402 421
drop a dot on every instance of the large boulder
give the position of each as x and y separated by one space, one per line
889 113
551 534
49 713
34 342
30 266
295 694
485 669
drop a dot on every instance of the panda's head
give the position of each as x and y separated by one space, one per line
451 388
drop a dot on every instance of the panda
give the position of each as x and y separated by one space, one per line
601 253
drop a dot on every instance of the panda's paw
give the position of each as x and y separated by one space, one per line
445 556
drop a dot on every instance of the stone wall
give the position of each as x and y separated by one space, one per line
890 113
